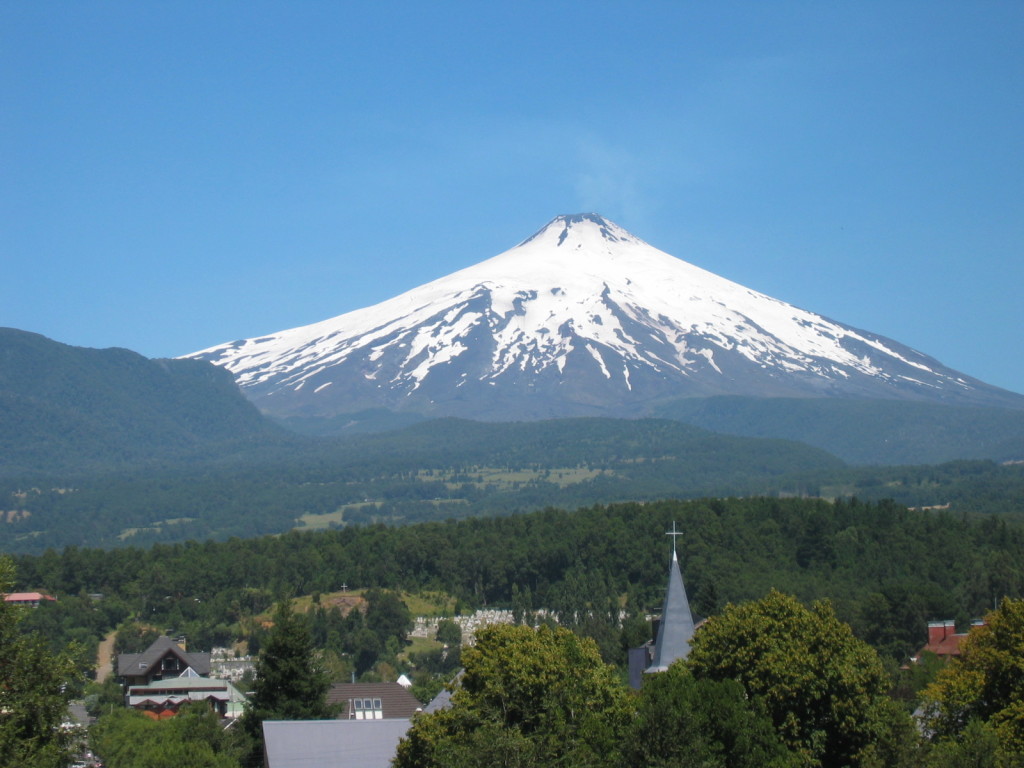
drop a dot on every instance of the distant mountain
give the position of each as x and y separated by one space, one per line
70 407
582 318
858 431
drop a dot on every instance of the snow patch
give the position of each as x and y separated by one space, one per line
600 360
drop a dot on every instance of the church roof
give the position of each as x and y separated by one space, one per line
676 628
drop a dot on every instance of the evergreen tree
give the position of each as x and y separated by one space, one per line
387 616
290 683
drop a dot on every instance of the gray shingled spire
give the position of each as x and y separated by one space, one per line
676 626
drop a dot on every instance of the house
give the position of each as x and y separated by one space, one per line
161 699
163 659
165 676
373 701
32 599
943 639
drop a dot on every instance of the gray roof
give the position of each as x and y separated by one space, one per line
143 664
676 628
332 743
443 700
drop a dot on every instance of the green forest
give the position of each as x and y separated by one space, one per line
882 569
886 569
452 469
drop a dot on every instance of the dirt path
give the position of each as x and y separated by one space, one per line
105 658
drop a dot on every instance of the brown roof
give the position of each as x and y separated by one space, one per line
396 701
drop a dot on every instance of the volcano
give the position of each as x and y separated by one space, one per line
582 318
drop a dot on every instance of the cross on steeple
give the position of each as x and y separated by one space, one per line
673 533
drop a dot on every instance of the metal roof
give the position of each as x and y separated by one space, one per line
676 628
332 743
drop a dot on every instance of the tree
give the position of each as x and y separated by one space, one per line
683 722
194 738
824 689
449 633
527 698
986 683
34 692
387 616
289 684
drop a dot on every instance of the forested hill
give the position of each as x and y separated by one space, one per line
73 408
435 470
456 469
888 569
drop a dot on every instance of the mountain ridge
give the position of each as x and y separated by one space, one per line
64 407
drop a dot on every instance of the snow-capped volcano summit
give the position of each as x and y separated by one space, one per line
581 318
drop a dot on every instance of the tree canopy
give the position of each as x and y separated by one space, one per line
35 687
683 722
986 683
194 738
526 698
824 689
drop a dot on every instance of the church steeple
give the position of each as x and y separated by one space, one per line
676 628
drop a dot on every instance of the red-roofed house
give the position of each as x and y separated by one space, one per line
943 639
28 598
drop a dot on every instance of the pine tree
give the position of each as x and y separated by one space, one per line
290 683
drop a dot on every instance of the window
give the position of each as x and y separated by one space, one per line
366 709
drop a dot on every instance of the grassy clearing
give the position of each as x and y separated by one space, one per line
153 527
419 604
127 533
313 522
429 603
482 478
502 478
419 645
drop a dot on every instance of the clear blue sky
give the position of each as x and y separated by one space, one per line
176 175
